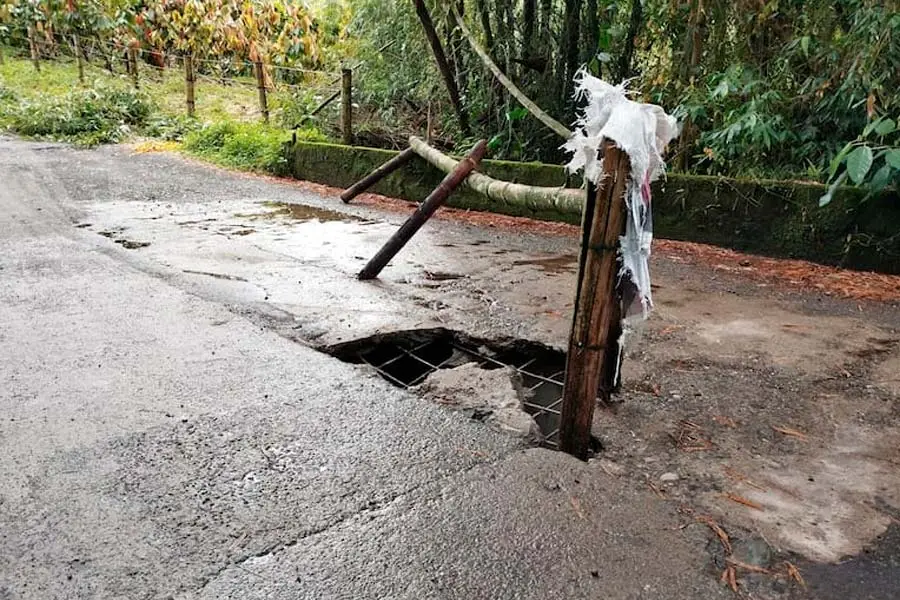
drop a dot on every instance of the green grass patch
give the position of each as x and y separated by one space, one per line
246 146
98 115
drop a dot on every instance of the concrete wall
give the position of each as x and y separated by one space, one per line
774 218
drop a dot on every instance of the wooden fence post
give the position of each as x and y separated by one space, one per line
79 59
132 57
428 207
189 82
347 105
32 47
261 86
596 302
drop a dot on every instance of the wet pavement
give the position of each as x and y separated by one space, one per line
176 427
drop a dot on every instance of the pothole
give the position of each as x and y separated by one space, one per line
453 368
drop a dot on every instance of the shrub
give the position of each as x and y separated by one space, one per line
249 146
90 116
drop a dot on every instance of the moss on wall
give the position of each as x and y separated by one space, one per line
774 218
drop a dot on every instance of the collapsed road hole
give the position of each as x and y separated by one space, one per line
407 358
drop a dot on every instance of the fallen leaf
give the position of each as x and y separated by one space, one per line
720 533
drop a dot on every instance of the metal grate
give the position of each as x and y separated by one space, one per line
406 359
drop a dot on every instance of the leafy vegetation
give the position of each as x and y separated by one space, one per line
764 88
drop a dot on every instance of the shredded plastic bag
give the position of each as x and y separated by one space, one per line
642 131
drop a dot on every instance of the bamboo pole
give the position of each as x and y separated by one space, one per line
524 100
428 207
261 87
596 302
189 83
347 106
377 175
562 200
79 59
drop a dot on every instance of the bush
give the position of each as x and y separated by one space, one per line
171 128
249 146
92 116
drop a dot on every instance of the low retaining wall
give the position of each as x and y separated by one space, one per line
774 218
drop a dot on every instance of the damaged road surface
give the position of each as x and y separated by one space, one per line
191 409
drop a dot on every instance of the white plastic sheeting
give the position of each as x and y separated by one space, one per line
642 131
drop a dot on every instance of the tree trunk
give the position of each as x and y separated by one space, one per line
443 66
569 55
634 27
529 16
485 17
79 59
591 32
32 47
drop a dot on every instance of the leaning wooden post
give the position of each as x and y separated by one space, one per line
347 105
261 86
132 58
596 302
434 201
377 175
79 59
32 47
189 82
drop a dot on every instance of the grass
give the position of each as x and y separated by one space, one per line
226 129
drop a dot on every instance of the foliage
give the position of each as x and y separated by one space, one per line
872 159
98 115
248 146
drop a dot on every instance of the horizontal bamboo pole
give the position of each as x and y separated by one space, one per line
562 200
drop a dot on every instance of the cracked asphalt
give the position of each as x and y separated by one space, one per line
161 438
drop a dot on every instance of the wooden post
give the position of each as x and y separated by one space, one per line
32 47
261 86
377 175
347 105
79 59
189 82
434 201
596 302
132 58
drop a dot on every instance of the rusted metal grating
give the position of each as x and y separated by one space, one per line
406 361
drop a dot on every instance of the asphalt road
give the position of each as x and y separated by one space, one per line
158 443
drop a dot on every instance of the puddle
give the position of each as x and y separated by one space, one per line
298 212
555 264
407 358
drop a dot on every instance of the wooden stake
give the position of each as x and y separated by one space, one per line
76 47
32 47
347 105
189 83
434 201
596 302
377 175
132 58
261 86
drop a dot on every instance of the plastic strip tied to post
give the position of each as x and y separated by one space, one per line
642 131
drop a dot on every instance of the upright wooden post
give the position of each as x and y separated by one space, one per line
428 207
261 86
132 58
79 59
596 302
347 105
189 82
32 47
